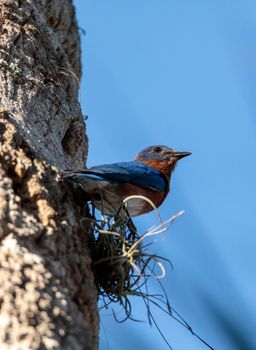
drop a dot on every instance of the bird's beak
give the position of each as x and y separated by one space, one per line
180 155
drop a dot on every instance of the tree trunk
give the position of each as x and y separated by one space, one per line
47 295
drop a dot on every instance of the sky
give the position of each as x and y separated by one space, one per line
182 74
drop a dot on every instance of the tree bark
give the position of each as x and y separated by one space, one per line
47 295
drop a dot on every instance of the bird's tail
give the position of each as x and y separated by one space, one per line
88 181
72 175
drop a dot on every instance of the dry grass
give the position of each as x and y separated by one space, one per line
123 264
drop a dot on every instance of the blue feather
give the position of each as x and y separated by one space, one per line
133 172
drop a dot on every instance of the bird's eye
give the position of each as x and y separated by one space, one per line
157 149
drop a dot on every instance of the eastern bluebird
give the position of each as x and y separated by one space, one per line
148 175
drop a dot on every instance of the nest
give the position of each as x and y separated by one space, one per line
123 264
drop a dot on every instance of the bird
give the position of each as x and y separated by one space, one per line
148 175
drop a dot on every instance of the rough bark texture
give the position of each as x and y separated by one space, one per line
47 294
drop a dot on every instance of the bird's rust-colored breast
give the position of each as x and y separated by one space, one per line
112 196
142 206
164 166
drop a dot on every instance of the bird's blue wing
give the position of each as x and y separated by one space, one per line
134 173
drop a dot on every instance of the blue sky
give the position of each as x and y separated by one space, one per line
182 73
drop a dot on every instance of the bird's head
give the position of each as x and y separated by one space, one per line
160 153
162 158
